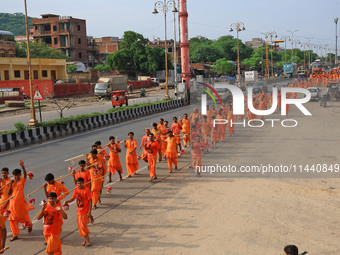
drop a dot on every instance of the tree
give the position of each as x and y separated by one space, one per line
223 66
137 56
39 50
72 68
15 23
204 54
62 104
103 68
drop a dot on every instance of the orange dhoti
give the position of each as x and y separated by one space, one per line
53 244
82 221
152 159
131 159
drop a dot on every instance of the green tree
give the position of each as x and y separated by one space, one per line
72 68
103 68
223 66
15 23
136 56
39 50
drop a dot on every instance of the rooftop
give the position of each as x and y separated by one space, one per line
6 33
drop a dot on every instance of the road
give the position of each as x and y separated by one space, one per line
7 122
49 157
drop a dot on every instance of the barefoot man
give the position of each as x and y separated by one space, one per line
18 207
131 155
114 161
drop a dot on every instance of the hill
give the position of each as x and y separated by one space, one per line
15 23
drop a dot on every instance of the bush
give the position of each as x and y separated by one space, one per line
20 126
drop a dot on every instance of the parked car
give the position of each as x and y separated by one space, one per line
315 92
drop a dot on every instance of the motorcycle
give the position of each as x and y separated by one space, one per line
323 100
142 92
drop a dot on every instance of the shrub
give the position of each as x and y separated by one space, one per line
20 126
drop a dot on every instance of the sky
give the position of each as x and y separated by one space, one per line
312 18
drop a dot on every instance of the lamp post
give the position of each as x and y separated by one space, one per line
267 35
336 40
292 34
271 39
175 51
164 6
33 121
238 26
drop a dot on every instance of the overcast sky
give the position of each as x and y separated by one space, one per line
212 19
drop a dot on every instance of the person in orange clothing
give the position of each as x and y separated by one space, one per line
3 234
171 151
53 215
214 133
152 147
4 184
157 135
143 143
82 173
262 105
197 147
195 114
131 155
186 129
114 161
102 152
205 126
53 186
84 204
176 131
221 127
230 119
18 206
163 130
96 173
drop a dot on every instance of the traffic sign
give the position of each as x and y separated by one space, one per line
38 95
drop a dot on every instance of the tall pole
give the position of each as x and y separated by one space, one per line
266 67
185 60
336 40
33 121
238 61
175 52
271 54
285 71
166 56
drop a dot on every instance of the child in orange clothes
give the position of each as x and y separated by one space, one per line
53 215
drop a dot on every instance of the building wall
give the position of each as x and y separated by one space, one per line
43 69
7 48
66 34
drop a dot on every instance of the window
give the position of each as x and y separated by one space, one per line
17 73
80 55
55 40
78 27
2 53
54 28
35 28
44 73
79 40
10 54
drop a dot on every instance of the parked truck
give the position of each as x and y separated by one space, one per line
105 85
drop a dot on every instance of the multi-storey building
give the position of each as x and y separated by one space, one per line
64 33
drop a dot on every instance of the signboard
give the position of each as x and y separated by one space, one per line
37 95
250 75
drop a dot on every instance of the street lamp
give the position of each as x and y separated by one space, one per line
267 35
164 6
238 26
336 40
33 121
292 34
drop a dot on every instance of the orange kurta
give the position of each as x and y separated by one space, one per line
97 185
18 207
131 159
114 161
4 196
171 151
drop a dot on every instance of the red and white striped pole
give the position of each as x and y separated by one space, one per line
185 60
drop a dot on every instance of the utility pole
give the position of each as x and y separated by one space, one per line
336 40
33 121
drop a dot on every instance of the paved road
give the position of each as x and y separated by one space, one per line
49 157
7 122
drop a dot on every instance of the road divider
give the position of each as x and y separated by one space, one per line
69 126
